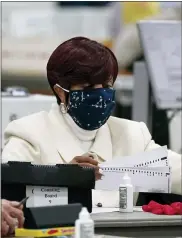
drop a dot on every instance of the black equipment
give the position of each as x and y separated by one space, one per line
15 176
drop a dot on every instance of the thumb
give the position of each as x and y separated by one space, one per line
15 204
91 154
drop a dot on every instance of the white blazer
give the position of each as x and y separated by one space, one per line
45 138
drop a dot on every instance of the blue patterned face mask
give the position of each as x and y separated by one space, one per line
91 108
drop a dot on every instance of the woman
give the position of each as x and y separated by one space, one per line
11 216
79 129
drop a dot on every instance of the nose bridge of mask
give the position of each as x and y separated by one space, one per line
92 94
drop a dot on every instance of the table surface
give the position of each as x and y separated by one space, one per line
105 236
121 225
135 219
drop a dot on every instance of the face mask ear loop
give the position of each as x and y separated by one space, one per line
66 90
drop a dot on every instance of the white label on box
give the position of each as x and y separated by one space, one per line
46 196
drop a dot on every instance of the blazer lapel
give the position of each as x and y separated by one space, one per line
66 143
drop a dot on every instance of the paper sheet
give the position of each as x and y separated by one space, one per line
152 158
161 41
149 172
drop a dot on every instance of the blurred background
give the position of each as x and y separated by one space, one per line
32 30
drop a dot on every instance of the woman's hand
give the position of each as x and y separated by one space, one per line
12 217
88 161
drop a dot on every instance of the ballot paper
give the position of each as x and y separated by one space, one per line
149 172
161 42
151 158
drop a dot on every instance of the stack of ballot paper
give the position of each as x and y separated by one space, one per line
149 172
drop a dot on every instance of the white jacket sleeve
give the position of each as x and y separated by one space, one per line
19 146
175 160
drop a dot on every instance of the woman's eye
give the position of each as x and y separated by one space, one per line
89 86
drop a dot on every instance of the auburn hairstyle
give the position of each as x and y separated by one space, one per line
81 60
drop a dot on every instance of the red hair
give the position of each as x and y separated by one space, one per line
81 60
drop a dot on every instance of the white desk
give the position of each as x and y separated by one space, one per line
137 224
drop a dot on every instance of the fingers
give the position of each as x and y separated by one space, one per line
96 168
12 222
4 228
86 159
17 205
17 213
91 154
14 204
12 214
20 207
84 164
98 174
